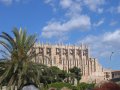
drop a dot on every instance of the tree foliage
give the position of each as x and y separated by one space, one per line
85 86
60 85
53 74
76 73
19 68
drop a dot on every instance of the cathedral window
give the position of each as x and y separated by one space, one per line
65 51
57 51
85 52
48 51
78 51
71 51
40 50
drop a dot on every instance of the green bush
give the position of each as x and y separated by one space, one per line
81 86
60 85
84 86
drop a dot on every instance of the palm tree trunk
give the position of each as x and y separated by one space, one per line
77 82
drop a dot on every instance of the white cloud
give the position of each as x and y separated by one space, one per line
66 3
47 1
9 2
114 9
6 2
103 45
112 37
75 20
64 38
113 23
99 23
56 28
52 3
100 10
118 9
72 7
94 4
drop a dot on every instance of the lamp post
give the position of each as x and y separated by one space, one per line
112 55
111 58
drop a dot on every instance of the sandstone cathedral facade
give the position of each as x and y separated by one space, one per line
68 56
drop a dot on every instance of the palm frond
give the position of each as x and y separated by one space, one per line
6 46
20 70
9 39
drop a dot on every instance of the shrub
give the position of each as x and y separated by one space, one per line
84 86
60 85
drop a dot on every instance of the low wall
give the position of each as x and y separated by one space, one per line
5 88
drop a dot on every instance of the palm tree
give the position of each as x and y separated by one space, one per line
75 72
19 68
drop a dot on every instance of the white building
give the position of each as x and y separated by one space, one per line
68 56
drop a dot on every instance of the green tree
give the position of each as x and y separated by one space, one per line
55 71
85 86
76 73
53 74
19 68
63 75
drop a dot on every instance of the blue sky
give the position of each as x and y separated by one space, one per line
92 22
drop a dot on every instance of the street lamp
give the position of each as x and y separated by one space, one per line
112 55
111 58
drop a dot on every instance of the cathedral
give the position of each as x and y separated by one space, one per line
68 56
